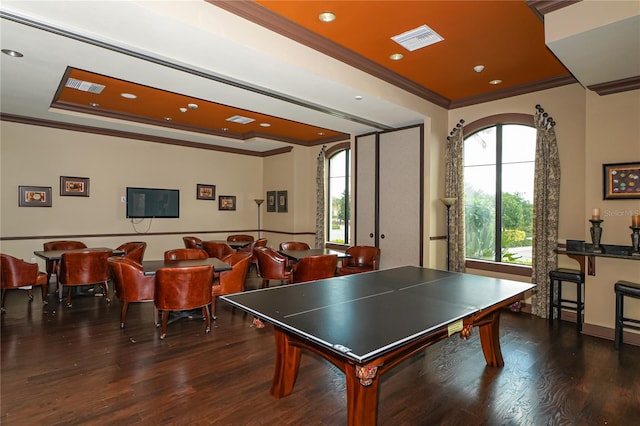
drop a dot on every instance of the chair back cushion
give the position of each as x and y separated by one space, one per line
84 267
315 268
64 245
271 264
16 272
134 250
179 289
216 249
294 245
192 242
130 282
185 254
240 237
233 281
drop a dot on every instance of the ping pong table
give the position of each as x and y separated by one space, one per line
365 324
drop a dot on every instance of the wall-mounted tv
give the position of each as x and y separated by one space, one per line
153 203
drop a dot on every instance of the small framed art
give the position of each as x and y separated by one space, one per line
74 186
282 201
271 201
621 181
227 202
34 196
205 192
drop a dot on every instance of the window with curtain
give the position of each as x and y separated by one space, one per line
338 205
499 179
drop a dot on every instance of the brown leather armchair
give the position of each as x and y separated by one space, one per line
16 273
134 250
215 249
272 265
262 242
185 254
52 265
131 284
240 237
294 245
192 242
363 259
182 289
84 267
315 268
231 281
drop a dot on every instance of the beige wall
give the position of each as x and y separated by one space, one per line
591 130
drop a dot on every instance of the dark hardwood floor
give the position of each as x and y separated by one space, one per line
75 366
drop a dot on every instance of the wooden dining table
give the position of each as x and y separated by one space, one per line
234 244
151 266
297 255
57 254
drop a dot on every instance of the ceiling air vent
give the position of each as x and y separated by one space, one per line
417 38
85 86
240 119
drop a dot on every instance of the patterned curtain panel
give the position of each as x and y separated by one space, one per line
454 188
320 217
546 206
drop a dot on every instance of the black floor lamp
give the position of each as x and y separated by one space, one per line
258 202
448 202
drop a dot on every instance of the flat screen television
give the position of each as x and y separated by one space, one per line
153 203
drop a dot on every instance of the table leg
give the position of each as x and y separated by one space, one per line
287 364
490 340
362 395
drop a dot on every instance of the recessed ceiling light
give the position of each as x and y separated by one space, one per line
265 124
183 109
224 129
478 68
12 53
193 106
128 95
358 98
494 82
396 56
320 133
168 118
93 104
327 16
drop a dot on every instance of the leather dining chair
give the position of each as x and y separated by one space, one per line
262 242
231 281
272 265
52 265
78 268
192 242
363 259
294 245
16 273
216 249
313 268
182 289
131 284
185 254
240 237
134 250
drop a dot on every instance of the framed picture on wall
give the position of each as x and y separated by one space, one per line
74 186
227 202
271 201
205 192
621 181
34 196
282 201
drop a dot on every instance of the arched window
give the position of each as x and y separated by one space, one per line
499 166
338 194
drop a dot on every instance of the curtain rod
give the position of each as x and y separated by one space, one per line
458 127
547 118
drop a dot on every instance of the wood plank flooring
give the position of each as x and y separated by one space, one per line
63 366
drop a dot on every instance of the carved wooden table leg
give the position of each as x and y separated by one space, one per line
362 394
490 339
287 364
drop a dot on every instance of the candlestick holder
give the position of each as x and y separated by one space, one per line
635 241
596 234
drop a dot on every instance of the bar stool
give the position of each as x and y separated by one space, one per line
622 289
570 275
